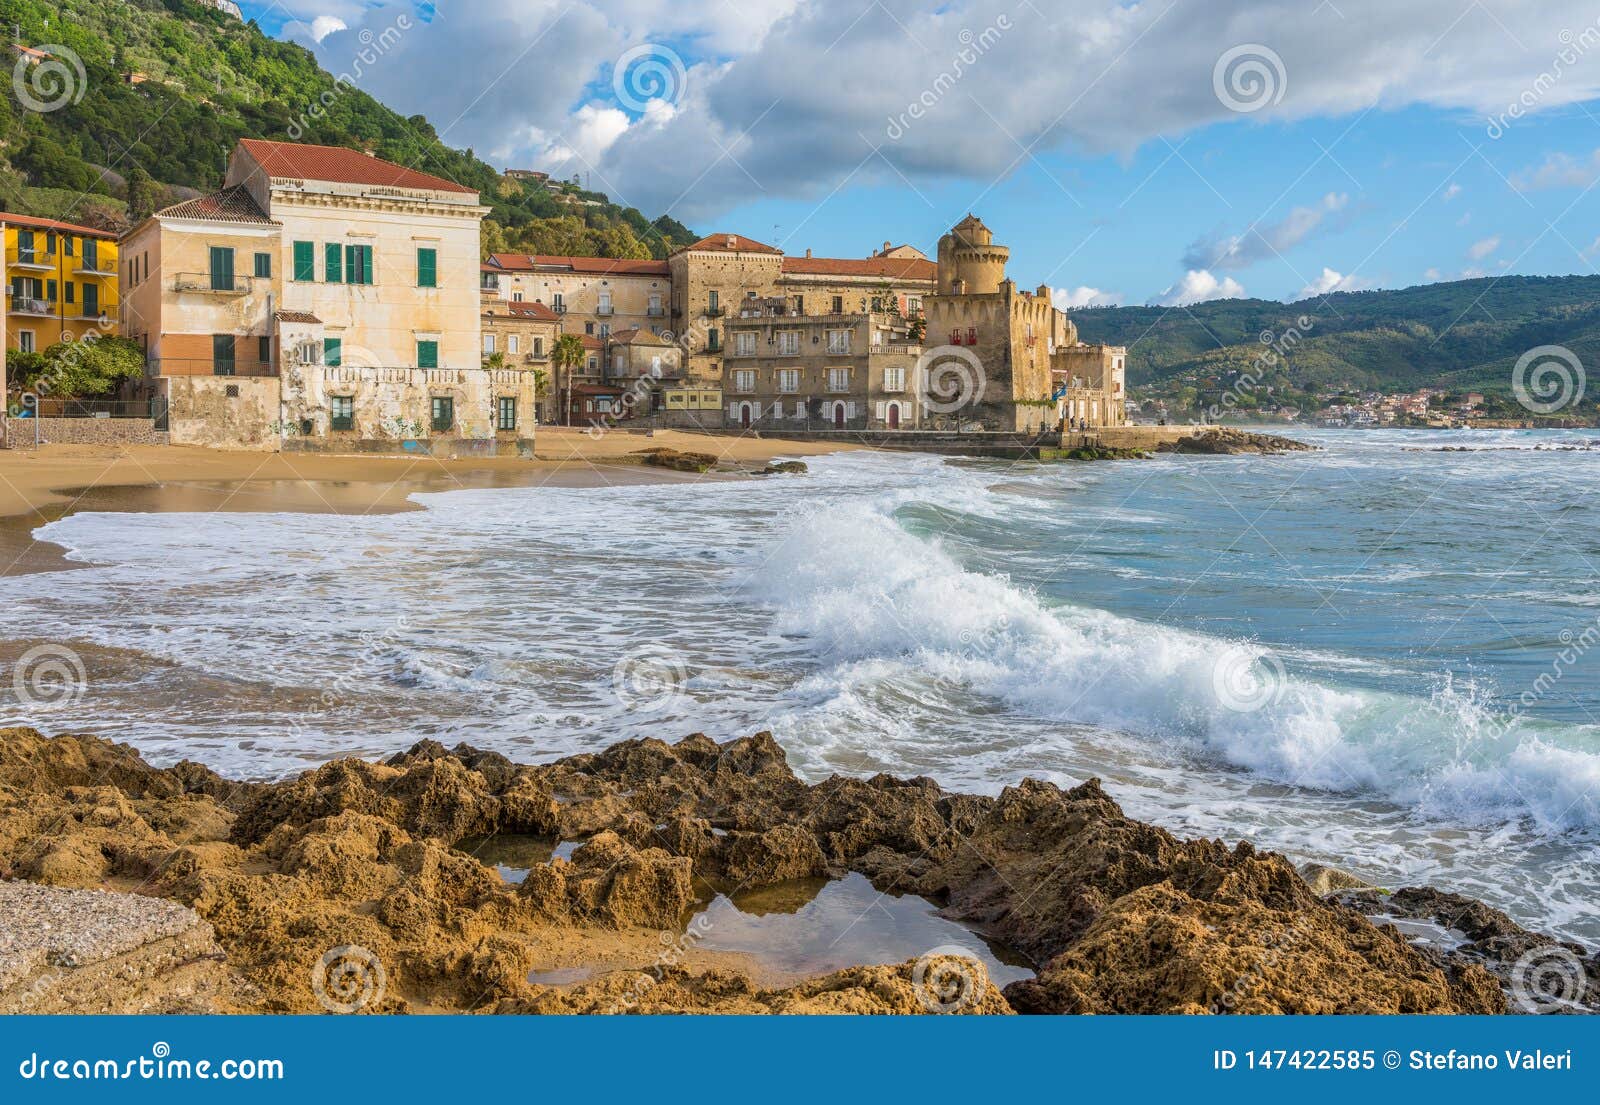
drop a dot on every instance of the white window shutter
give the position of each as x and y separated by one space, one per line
800 409
777 409
883 410
733 410
850 410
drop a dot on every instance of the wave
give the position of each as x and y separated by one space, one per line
860 587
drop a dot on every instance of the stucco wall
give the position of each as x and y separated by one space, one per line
224 412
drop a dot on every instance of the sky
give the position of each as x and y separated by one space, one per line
1164 152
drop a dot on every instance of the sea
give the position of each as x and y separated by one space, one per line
1382 655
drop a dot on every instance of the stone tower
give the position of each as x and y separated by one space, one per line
969 261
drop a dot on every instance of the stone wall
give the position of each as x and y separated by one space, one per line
83 431
224 412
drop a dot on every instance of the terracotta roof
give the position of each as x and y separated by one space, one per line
730 243
231 205
533 310
636 335
603 266
305 317
51 224
889 268
341 165
591 342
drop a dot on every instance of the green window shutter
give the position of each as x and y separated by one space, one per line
50 291
264 265
333 264
366 264
305 261
221 269
69 290
333 352
427 268
427 354
222 354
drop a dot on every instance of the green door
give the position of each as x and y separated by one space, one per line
444 413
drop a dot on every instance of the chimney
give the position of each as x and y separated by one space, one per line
886 247
808 252
733 241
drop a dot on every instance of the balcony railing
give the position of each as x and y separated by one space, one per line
32 258
715 312
207 366
655 312
27 305
93 270
559 307
202 282
713 347
605 310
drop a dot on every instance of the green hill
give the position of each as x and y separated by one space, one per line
1464 335
168 86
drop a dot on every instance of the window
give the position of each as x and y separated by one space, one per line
838 379
50 291
605 303
744 344
427 268
605 329
838 304
333 352
264 349
744 379
222 354
512 344
558 303
955 337
25 341
264 265
70 291
358 264
714 301
221 269
428 354
538 347
788 342
67 244
972 336
488 343
342 412
91 254
506 408
305 261
655 304
838 342
713 342
799 304
516 297
25 247
789 380
444 413
894 379
588 328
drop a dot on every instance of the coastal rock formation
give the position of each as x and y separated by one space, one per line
1227 442
364 862
675 460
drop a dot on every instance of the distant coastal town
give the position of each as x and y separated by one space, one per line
326 300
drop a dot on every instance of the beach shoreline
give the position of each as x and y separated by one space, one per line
43 486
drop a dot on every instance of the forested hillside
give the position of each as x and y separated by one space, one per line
167 86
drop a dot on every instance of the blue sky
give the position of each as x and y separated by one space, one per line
1121 150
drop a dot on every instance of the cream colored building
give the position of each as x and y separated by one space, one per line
595 296
343 287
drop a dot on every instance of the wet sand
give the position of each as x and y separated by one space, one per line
40 487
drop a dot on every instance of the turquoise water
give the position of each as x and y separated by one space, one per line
1379 655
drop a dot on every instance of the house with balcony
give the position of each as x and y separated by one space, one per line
594 296
61 282
324 299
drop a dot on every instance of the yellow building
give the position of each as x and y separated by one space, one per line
61 282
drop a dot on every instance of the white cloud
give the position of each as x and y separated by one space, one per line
1466 217
1593 251
755 122
1452 192
1331 281
1066 298
1483 247
1262 241
1198 286
1560 170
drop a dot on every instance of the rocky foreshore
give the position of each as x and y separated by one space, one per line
352 887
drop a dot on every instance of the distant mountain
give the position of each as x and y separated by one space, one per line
1462 335
166 87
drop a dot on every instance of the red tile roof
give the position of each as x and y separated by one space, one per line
344 166
635 335
591 342
730 243
305 318
231 205
535 310
35 223
601 266
889 268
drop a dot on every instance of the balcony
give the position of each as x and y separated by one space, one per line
655 312
34 308
559 307
207 366
712 347
715 312
93 270
605 310
201 282
36 259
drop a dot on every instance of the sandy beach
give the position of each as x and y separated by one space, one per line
41 486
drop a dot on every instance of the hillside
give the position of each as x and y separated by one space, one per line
1462 335
168 86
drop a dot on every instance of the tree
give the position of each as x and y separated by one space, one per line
79 369
567 355
141 195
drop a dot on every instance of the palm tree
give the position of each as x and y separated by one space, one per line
567 355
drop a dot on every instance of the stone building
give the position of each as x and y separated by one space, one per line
324 299
710 281
647 365
596 296
1006 359
823 371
